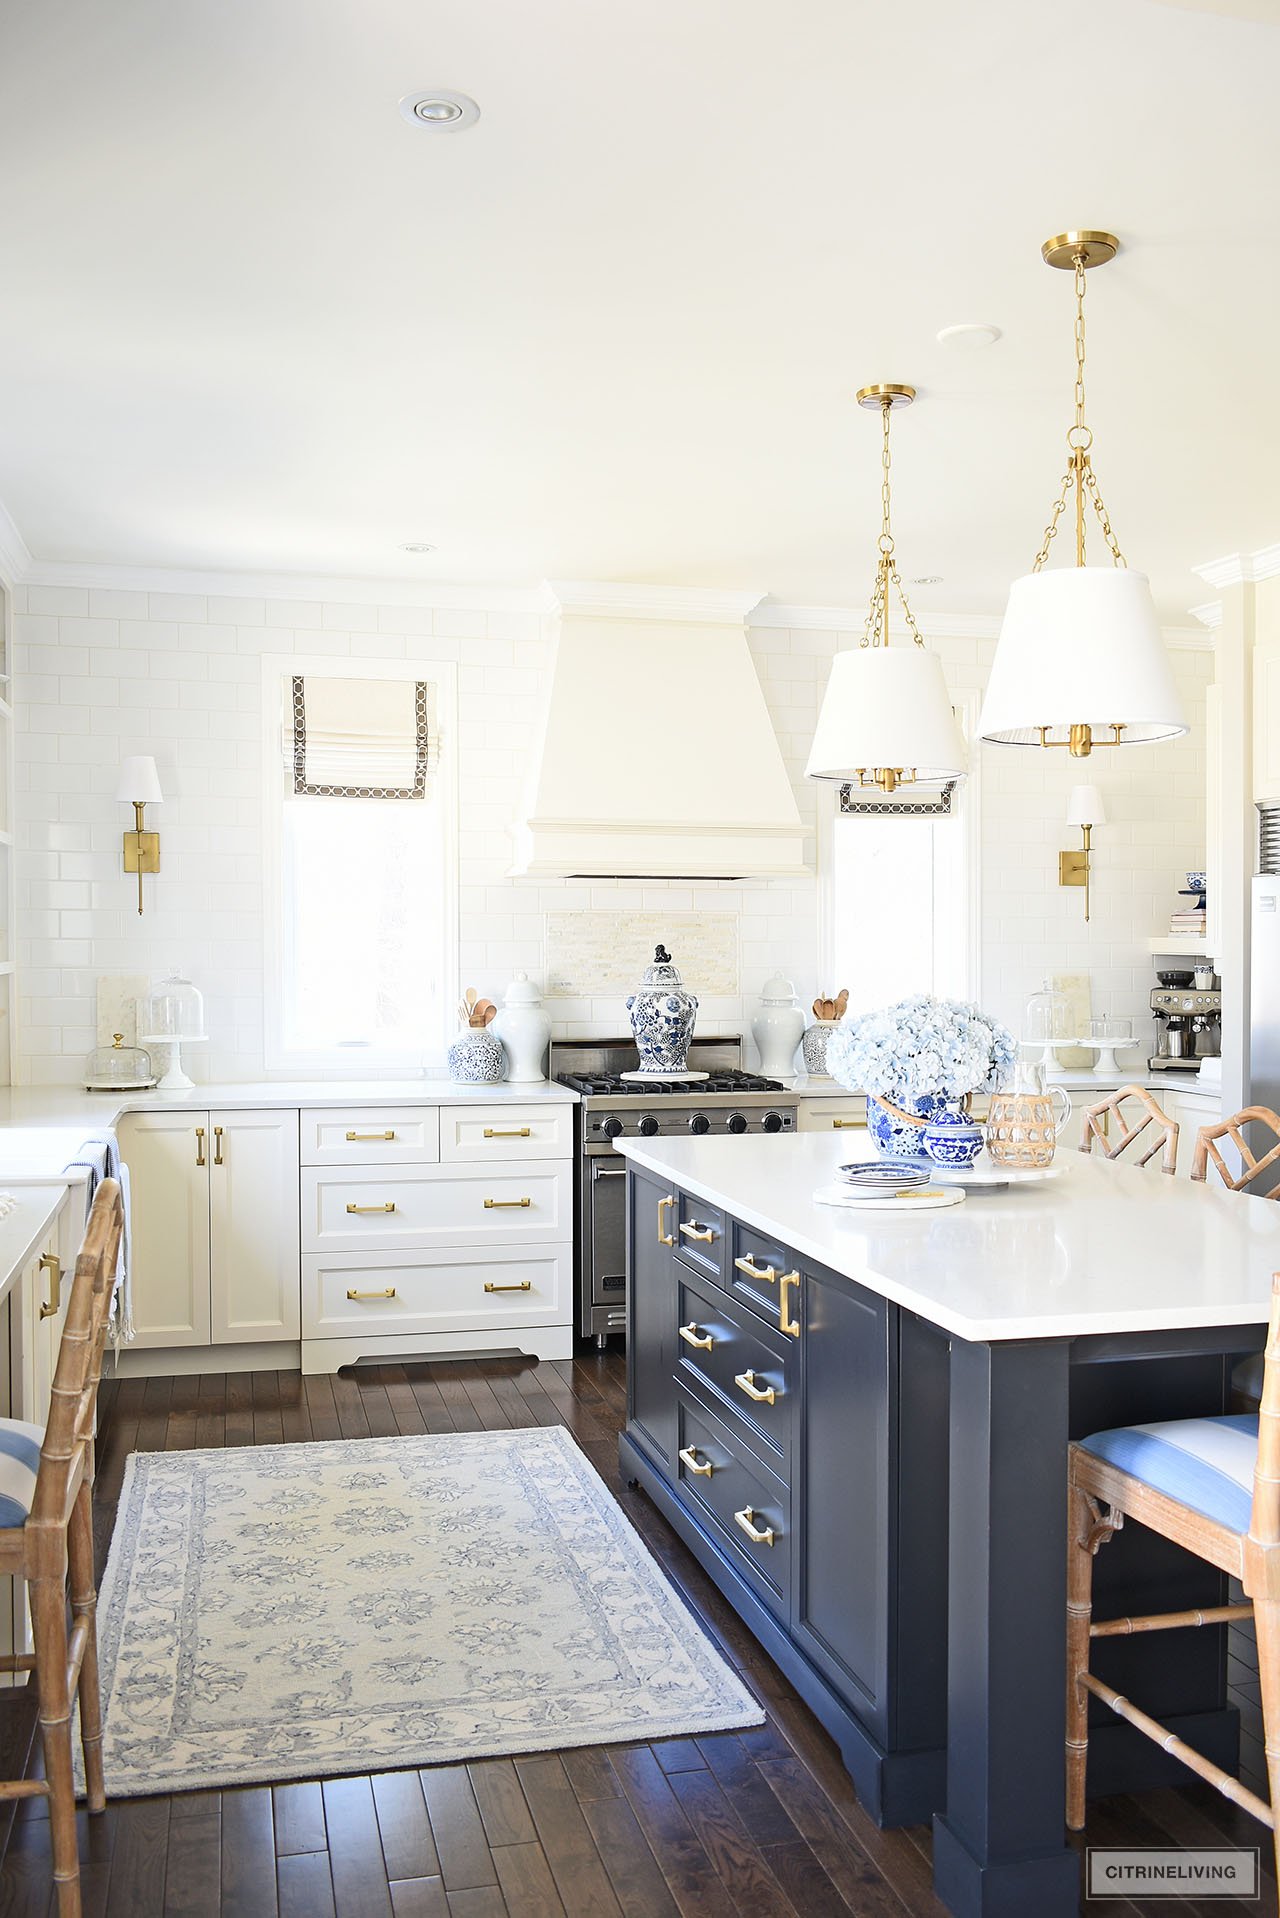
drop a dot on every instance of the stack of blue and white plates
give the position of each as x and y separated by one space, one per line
884 1177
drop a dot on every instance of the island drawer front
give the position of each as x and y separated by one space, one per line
695 1219
847 1115
737 1484
484 1133
400 1208
447 1291
752 1258
370 1135
744 1359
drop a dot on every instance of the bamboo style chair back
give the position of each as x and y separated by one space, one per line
1164 1139
1207 1149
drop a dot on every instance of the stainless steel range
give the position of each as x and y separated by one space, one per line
727 1100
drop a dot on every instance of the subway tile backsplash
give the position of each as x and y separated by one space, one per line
103 672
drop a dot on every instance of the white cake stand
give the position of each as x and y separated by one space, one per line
174 1079
1106 1065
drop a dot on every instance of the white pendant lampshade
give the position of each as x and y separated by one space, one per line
139 782
1080 646
886 706
1085 807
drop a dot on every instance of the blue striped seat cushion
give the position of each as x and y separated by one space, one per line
19 1460
1206 1464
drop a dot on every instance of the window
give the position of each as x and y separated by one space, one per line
899 902
361 920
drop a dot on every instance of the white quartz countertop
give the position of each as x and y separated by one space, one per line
805 1087
23 1230
71 1105
1099 1248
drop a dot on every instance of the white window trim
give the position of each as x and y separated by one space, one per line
967 707
337 1062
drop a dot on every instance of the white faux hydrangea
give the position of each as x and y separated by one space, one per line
920 1047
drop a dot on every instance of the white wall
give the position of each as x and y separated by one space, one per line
101 673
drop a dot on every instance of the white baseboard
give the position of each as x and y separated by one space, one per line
181 1361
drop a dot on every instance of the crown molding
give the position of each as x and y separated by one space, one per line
1209 614
15 560
1240 569
607 600
296 586
851 619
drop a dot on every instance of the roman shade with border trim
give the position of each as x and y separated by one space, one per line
360 738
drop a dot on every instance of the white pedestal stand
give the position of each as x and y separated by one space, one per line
174 1079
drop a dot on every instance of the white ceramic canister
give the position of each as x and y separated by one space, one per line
524 1029
778 1028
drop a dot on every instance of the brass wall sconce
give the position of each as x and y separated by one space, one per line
139 787
1086 810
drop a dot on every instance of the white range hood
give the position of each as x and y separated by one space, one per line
658 758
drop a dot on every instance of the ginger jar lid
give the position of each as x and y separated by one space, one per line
778 991
522 992
662 972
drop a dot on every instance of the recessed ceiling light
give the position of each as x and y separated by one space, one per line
416 546
928 579
971 334
441 109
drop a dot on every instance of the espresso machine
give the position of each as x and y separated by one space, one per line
1188 1020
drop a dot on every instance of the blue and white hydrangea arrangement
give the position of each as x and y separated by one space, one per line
922 1054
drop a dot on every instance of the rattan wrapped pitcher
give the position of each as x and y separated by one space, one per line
1024 1120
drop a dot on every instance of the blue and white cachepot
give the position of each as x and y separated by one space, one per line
952 1137
662 1016
476 1057
894 1137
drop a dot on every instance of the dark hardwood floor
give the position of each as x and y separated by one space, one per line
762 1822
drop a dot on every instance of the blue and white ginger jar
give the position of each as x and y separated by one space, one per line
476 1057
662 1016
895 1137
953 1138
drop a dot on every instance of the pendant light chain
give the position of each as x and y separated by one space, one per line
876 631
1079 474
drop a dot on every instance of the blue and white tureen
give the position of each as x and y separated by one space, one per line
662 1016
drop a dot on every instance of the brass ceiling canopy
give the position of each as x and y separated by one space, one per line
1089 247
885 393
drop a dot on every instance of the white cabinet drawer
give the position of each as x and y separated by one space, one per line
404 1207
347 1294
833 1115
485 1133
370 1135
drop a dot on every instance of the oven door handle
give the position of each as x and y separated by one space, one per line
608 1172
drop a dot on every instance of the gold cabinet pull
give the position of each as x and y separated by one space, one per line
352 1137
763 1395
665 1238
525 1285
52 1264
217 1145
745 1520
692 1230
785 1323
388 1205
199 1145
516 1132
505 1205
691 1336
848 1125
699 1467
765 1273
388 1294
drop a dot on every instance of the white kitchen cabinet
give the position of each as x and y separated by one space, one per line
214 1225
836 1111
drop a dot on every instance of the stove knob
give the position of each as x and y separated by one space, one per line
611 1128
736 1122
773 1122
699 1123
648 1125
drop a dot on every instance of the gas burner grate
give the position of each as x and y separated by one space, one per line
612 1085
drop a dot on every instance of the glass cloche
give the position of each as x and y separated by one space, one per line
118 1067
1046 1025
174 1009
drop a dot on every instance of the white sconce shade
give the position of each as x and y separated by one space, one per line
886 706
139 782
1080 646
1085 807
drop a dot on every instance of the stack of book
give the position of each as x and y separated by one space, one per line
1189 922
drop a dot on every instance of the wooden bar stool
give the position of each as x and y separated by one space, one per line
1166 1136
1207 1148
46 1527
1212 1486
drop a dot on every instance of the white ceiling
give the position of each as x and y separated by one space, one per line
251 318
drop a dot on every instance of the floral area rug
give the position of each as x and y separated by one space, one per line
292 1611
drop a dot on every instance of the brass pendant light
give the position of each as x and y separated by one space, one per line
1080 650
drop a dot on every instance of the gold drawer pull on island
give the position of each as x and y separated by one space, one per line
765 1273
689 1457
745 1519
503 1205
354 1138
388 1294
763 1395
785 1322
693 1335
692 1230
52 1264
665 1238
388 1205
525 1285
515 1132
